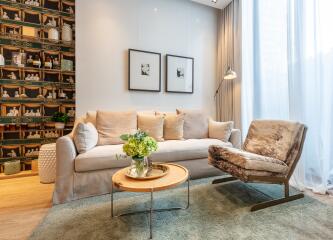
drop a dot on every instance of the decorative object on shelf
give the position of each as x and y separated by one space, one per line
13 112
71 112
29 32
70 79
17 95
18 59
2 60
12 154
180 74
12 76
144 71
66 65
32 152
53 34
12 167
60 119
66 33
23 95
138 146
32 3
56 63
37 62
70 10
30 61
16 17
5 15
5 94
48 63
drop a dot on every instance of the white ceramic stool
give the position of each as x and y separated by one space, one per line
47 163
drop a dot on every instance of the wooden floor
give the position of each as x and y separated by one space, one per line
23 204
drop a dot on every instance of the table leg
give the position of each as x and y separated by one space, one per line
151 213
111 199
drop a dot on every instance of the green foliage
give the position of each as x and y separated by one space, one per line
138 145
60 117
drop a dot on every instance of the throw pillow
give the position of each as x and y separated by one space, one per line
151 124
173 127
111 125
85 137
91 117
195 124
220 130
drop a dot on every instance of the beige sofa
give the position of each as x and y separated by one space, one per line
89 174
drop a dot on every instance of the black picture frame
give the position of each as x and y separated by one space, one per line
168 56
130 68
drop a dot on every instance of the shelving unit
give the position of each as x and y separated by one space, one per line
52 87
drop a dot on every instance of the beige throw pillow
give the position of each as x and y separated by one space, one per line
220 130
85 137
195 124
91 117
111 125
173 127
151 124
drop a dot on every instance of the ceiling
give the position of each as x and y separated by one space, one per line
219 4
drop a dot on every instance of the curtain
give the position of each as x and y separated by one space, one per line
229 44
287 74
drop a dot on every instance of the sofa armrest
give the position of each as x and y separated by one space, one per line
64 183
236 138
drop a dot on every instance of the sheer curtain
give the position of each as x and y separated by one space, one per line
288 74
228 54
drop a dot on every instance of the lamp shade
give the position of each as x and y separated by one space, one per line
230 74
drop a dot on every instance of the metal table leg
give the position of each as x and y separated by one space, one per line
151 210
151 213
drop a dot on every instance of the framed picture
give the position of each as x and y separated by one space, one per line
179 74
144 71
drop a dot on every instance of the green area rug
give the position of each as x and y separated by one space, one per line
216 212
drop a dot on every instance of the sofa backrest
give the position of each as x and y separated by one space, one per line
275 138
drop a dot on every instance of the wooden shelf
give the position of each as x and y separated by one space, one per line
36 100
20 174
36 43
37 83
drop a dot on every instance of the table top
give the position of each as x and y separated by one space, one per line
177 175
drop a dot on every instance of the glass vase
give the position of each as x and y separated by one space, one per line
139 167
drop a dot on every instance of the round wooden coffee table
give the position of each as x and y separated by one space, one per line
177 175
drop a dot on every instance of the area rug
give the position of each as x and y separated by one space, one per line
216 212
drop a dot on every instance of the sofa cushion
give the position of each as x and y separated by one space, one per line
111 125
195 124
220 130
173 127
151 124
85 137
101 157
91 117
247 160
105 157
177 150
272 138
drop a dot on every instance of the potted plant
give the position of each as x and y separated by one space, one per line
138 146
60 119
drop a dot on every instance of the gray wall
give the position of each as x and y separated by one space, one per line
107 28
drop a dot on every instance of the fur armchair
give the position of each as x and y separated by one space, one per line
270 154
